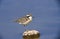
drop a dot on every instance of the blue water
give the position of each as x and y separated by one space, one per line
46 18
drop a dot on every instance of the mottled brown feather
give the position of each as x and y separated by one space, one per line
22 20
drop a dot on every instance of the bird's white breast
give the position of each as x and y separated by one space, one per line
30 17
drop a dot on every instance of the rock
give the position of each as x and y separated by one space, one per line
31 34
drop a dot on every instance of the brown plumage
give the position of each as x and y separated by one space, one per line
24 20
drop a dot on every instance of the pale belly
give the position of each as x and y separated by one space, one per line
26 22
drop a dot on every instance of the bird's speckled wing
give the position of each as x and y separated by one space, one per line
22 20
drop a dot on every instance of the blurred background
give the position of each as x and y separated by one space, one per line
46 21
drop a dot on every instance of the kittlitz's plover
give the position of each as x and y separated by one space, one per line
24 20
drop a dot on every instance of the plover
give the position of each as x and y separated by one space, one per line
24 20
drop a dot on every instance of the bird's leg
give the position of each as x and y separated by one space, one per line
24 27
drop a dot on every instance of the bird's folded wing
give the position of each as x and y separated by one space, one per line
22 20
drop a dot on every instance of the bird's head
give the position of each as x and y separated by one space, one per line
29 16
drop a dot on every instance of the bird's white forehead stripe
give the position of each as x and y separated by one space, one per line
27 15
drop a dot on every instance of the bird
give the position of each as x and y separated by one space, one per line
25 20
